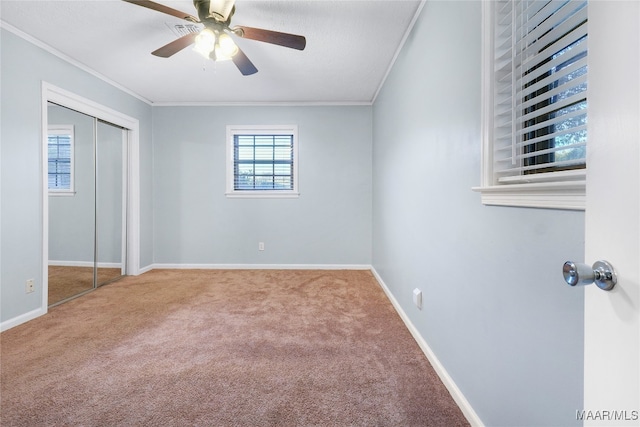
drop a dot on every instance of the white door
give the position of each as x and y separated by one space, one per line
612 331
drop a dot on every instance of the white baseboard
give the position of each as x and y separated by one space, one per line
57 263
455 392
18 320
259 266
144 269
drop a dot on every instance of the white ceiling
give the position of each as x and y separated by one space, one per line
350 47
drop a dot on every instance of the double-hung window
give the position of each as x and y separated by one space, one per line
262 161
534 103
60 150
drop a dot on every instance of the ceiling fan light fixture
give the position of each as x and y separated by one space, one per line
205 42
226 47
214 42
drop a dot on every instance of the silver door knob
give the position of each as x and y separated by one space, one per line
601 273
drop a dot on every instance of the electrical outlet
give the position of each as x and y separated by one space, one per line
30 287
261 246
417 298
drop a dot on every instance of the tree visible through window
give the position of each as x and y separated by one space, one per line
572 129
565 145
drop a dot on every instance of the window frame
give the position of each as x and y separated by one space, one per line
232 131
551 190
70 131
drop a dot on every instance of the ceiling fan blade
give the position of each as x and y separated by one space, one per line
175 46
243 63
164 9
274 37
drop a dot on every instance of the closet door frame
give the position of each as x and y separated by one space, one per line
51 93
124 179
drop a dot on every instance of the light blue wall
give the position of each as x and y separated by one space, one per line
23 67
496 313
330 223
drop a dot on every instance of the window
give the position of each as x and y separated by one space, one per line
60 149
262 161
534 103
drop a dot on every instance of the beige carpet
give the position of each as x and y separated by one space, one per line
223 348
65 281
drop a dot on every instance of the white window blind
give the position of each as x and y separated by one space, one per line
534 115
541 86
262 161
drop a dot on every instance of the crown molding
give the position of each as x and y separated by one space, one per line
39 43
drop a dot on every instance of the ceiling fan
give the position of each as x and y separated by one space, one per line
215 41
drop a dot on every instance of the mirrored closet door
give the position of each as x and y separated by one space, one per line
110 203
87 182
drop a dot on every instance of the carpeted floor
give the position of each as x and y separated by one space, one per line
223 348
65 281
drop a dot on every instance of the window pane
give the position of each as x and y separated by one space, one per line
64 152
261 169
282 169
573 121
283 183
245 183
264 139
244 169
264 182
64 168
263 162
283 152
59 152
570 98
264 153
244 153
65 180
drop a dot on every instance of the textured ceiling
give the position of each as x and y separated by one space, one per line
350 46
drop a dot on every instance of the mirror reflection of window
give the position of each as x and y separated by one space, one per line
60 148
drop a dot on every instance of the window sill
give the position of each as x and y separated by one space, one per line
568 195
62 193
262 195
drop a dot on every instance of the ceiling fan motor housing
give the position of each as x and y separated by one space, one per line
216 10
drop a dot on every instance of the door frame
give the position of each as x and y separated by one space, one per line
131 126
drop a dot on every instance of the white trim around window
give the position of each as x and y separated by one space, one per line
554 190
236 133
67 132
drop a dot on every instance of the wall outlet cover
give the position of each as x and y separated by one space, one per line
417 298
